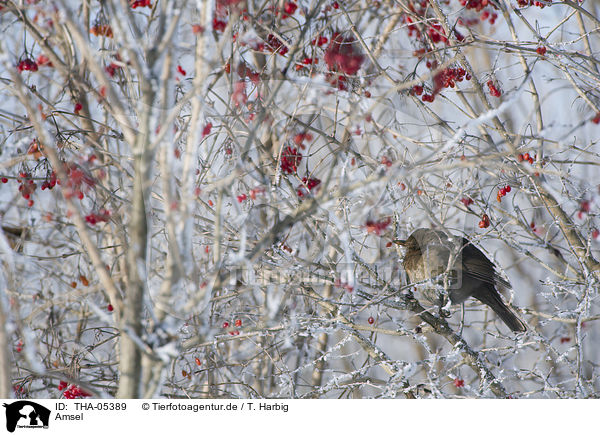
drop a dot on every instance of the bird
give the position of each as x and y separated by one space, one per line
431 253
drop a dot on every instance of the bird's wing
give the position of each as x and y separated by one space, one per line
477 265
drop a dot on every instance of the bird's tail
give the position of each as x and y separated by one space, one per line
495 302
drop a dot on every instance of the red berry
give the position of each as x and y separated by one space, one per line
371 320
198 362
4 180
507 189
459 383
110 308
225 325
238 323
484 222
290 8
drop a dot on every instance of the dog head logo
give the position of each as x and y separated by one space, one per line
25 413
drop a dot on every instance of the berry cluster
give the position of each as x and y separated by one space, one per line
102 215
485 221
244 71
102 30
492 16
222 11
43 60
35 149
141 4
448 77
306 61
301 137
320 41
112 69
308 184
436 33
386 161
290 9
226 325
206 129
378 227
584 208
343 55
26 186
290 160
72 391
274 45
219 24
502 192
540 4
526 157
50 182
494 91
412 29
78 180
27 65
476 5
253 193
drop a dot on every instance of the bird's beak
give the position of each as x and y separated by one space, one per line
400 242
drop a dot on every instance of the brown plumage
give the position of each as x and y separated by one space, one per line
431 253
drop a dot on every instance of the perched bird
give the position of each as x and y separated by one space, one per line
16 236
431 253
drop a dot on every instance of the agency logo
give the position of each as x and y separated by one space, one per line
26 414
